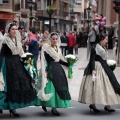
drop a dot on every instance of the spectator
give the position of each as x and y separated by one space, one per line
92 36
33 45
110 37
71 42
64 43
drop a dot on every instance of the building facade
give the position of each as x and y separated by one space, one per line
14 10
8 11
18 10
61 19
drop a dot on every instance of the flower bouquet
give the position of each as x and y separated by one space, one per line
71 59
112 64
27 59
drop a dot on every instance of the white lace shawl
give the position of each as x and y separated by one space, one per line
101 51
1 74
1 82
15 50
56 56
1 40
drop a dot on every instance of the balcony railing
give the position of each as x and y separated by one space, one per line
16 7
63 14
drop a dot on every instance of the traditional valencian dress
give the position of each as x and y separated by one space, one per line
16 90
105 90
52 89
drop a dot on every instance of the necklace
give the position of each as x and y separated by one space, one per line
55 48
15 42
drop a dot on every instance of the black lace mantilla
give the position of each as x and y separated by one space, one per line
19 88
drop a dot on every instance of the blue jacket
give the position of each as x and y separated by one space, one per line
33 45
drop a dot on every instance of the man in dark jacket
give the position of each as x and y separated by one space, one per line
110 37
64 43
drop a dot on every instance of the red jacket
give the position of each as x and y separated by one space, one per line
71 40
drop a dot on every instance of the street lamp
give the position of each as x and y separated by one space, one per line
88 10
88 42
18 15
50 11
31 5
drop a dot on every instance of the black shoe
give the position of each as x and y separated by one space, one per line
1 112
14 113
55 113
109 110
94 109
44 108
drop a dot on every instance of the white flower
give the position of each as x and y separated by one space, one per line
25 55
70 56
111 62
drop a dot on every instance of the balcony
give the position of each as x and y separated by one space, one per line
66 1
61 14
57 14
43 13
16 7
6 7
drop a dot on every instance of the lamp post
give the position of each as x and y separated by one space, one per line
18 15
88 10
88 42
50 11
31 5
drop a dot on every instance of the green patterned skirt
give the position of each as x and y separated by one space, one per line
55 101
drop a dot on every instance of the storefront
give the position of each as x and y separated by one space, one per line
5 18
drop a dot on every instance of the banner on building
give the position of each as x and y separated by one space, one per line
7 16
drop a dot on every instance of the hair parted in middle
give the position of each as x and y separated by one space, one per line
9 26
102 37
53 33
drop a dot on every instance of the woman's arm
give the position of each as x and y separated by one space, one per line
63 63
92 59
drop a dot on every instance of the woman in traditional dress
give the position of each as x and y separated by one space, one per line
99 84
53 88
44 39
16 86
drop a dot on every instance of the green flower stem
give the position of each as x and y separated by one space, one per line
70 75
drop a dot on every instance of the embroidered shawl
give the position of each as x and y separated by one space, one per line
101 51
14 49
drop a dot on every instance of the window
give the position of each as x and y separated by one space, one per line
38 4
6 1
48 2
78 3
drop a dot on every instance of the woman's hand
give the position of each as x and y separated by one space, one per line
46 74
94 72
40 44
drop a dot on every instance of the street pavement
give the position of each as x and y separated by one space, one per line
77 111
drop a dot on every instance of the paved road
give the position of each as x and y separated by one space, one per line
77 111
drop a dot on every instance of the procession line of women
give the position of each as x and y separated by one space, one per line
17 85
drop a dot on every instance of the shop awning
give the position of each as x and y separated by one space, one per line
6 16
